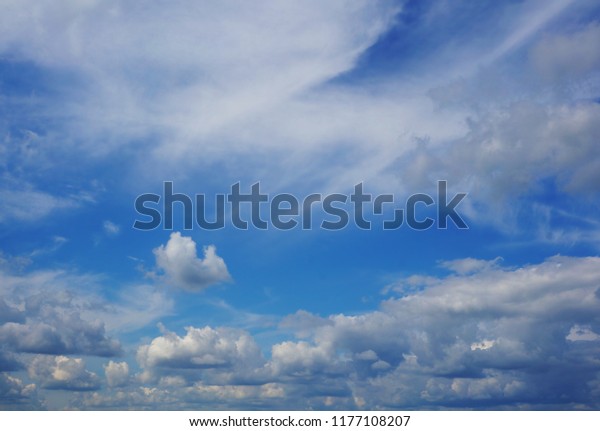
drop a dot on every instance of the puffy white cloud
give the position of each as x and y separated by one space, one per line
179 260
63 313
582 333
301 358
219 349
117 373
61 372
489 337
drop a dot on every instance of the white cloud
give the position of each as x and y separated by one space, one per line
498 337
169 67
117 373
262 89
201 348
179 260
212 356
582 333
61 372
509 155
50 318
64 312
110 228
59 334
483 345
470 265
301 358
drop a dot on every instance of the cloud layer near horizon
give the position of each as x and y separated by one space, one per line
483 335
496 337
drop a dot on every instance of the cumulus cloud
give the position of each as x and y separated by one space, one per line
117 373
302 359
518 154
10 314
510 150
490 336
179 260
51 324
16 395
63 334
485 335
498 336
64 373
232 351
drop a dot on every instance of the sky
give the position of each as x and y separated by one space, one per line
102 101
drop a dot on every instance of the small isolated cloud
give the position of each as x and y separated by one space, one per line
110 228
117 373
582 333
61 372
179 261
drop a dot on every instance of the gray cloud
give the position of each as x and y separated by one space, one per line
10 314
16 395
179 260
62 373
216 355
51 320
489 337
559 57
60 335
63 313
9 362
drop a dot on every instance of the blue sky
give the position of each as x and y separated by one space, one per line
104 100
